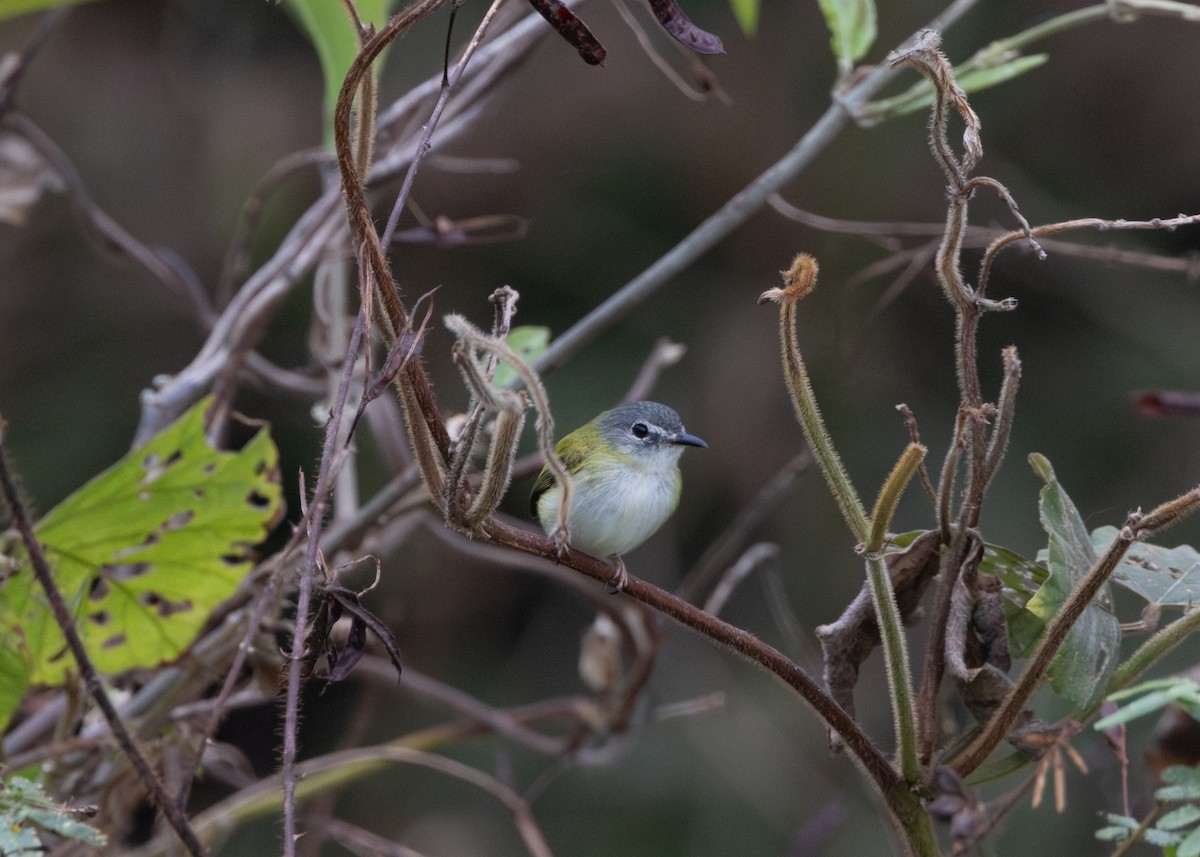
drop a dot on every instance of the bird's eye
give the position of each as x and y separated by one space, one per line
640 430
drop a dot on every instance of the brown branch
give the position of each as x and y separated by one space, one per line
874 763
394 317
66 623
1005 240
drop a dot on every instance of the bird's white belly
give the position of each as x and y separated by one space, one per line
610 516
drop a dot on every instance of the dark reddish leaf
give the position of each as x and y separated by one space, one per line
684 31
1168 403
571 28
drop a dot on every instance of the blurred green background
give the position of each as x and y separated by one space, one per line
172 111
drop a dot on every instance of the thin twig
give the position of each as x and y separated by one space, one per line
914 434
664 355
752 559
423 144
316 519
722 550
734 639
740 208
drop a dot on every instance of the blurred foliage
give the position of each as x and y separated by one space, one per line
13 8
25 810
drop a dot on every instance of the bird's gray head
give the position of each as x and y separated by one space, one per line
639 427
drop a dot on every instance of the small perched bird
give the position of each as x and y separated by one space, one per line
624 468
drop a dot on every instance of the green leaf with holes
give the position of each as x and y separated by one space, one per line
145 551
1021 579
1082 667
1166 577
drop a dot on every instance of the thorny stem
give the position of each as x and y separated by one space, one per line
66 623
889 495
1137 527
799 281
316 520
1006 405
970 430
1097 223
472 337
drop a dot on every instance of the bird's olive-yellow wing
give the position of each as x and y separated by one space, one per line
572 459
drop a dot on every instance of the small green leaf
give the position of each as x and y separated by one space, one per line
1184 816
146 550
1183 783
1082 667
529 342
852 25
1157 696
13 8
1163 839
970 78
1190 846
1120 827
746 13
25 807
1168 577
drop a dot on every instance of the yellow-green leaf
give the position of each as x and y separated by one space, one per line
328 25
746 13
528 341
852 28
13 8
145 551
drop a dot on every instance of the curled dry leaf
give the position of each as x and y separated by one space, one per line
847 642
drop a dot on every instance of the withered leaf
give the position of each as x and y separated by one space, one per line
847 642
